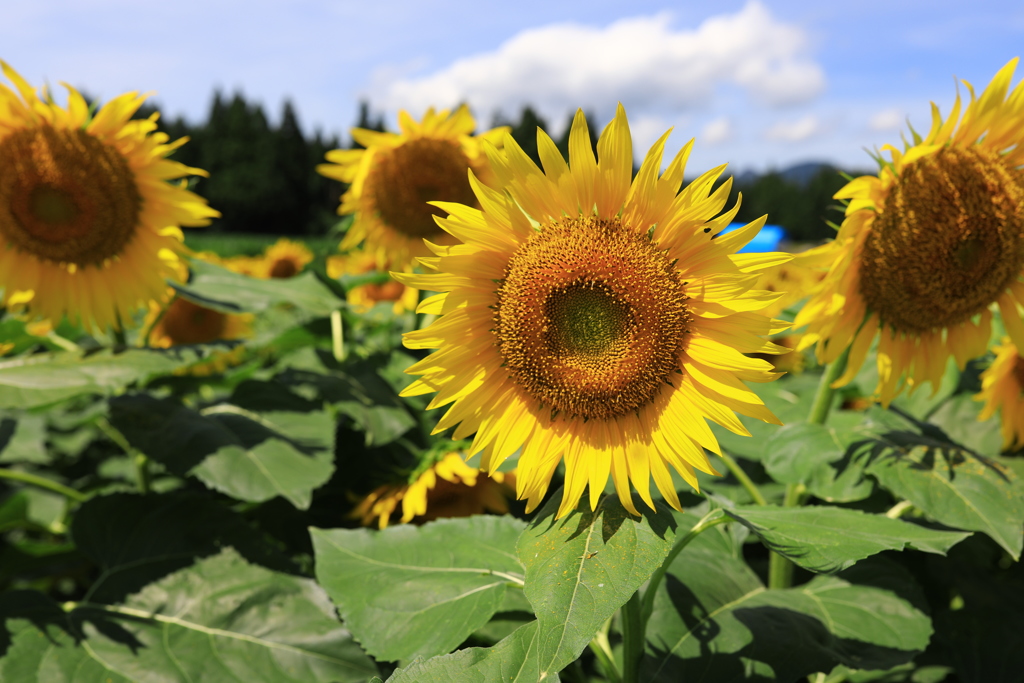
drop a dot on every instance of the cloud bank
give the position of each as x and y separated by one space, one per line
644 62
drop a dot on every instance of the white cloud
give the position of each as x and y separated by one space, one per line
642 61
717 131
794 131
887 119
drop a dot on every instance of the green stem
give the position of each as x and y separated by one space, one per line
42 483
337 336
637 611
712 518
602 649
141 462
897 510
780 570
823 397
632 639
744 479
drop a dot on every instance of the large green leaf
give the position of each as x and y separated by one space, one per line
360 393
220 620
827 539
137 539
45 378
582 568
394 587
250 456
715 622
23 438
229 292
952 484
958 418
513 660
817 457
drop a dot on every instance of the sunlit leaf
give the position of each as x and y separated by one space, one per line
394 587
221 619
827 539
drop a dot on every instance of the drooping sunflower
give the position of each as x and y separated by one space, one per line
1002 390
89 220
595 320
394 177
285 258
448 488
929 246
364 297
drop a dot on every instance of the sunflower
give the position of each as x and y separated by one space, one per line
392 180
88 218
1002 389
929 246
448 488
364 297
285 259
182 322
593 319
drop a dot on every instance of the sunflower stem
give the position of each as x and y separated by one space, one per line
337 336
823 397
143 478
744 479
602 649
780 570
42 483
633 637
712 518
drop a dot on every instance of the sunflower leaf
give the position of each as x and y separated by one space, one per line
713 620
513 660
582 568
250 456
136 539
46 378
952 485
221 619
828 539
228 292
394 587
817 457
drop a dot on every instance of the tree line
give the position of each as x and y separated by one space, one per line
263 177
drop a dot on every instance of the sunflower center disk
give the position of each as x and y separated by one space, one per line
66 196
949 240
188 323
405 178
591 318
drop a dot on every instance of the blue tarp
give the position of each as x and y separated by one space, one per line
766 240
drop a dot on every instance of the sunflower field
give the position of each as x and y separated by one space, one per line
426 454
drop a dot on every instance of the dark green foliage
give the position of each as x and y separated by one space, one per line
262 177
804 209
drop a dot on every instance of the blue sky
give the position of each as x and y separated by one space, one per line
759 84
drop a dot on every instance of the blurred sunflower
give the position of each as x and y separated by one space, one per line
593 319
795 281
88 218
392 180
182 322
448 488
364 297
285 259
928 246
1002 389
